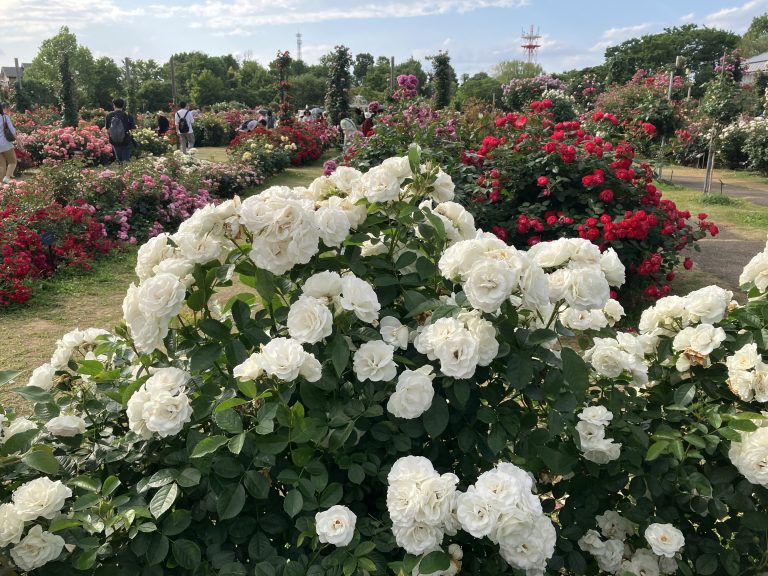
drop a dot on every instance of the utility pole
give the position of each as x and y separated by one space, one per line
18 71
711 149
298 46
392 74
173 82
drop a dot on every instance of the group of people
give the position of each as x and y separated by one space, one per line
263 118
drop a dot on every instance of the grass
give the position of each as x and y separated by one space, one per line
77 299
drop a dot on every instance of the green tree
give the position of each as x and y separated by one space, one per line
443 80
107 81
153 95
255 86
308 89
755 39
67 96
363 62
506 70
45 66
207 88
375 84
413 66
481 86
338 85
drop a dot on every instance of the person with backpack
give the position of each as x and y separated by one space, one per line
7 149
119 125
184 120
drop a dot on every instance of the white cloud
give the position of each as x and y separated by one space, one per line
688 17
614 36
736 18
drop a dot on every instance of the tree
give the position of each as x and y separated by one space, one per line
506 70
67 96
363 62
481 86
443 79
413 66
153 95
207 88
107 82
255 86
375 84
755 39
45 65
339 83
308 89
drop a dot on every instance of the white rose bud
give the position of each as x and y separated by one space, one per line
42 376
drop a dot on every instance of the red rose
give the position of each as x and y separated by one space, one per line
606 195
542 181
687 263
702 216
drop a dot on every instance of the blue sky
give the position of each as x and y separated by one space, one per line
476 33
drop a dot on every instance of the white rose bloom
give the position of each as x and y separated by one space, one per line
534 286
663 315
309 320
435 335
756 271
598 415
147 331
613 311
161 296
741 383
374 361
36 549
602 451
461 220
610 556
369 248
160 405
336 525
380 184
589 434
559 283
702 339
664 539
642 563
614 525
591 542
42 377
151 253
413 393
41 497
417 538
393 332
459 355
475 514
411 469
251 369
333 224
323 286
607 358
588 289
442 188
283 358
11 525
346 179
356 213
179 267
404 500
439 493
66 426
17 426
552 254
745 358
751 454
398 166
583 319
760 383
199 248
707 305
359 297
311 369
489 284
532 546
484 332
612 267
321 188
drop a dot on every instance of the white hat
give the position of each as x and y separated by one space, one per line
367 114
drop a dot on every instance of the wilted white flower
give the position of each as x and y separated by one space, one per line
614 525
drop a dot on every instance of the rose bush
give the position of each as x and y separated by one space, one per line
255 435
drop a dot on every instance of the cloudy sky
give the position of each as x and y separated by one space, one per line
476 33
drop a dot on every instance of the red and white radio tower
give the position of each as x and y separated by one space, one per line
531 43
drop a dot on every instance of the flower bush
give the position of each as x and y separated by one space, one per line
51 145
213 130
755 145
539 180
520 92
390 391
149 142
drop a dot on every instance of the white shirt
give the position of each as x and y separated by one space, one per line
4 144
186 114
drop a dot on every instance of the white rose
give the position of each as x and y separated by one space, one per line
534 286
41 497
42 377
442 188
199 248
740 382
583 319
411 469
459 355
591 542
756 271
413 393
66 426
251 369
147 331
589 434
588 289
702 339
160 405
664 539
359 297
614 525
750 455
613 311
283 358
179 267
439 494
664 314
602 451
320 188
404 500
552 254
642 563
417 538
461 219
612 267
374 361
474 513
485 334
151 253
346 179
309 320
336 525
370 248
607 358
11 525
311 369
584 251
333 225
598 415
161 296
393 332
559 282
380 184
398 166
707 305
532 545
17 426
489 284
610 556
745 358
323 286
36 549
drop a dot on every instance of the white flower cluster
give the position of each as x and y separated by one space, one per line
160 405
502 506
336 525
39 498
617 557
671 314
591 428
282 358
756 271
421 504
622 355
461 344
748 374
694 345
750 455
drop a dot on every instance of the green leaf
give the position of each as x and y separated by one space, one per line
356 474
230 421
62 523
331 495
743 425
188 477
34 394
163 499
86 559
86 501
236 443
86 483
161 478
204 357
248 388
215 329
656 449
519 369
339 353
434 561
575 372
557 461
229 403
158 549
256 484
230 504
436 418
110 485
233 569
685 393
90 367
293 503
7 376
706 564
41 458
365 548
414 158
241 314
186 553
176 522
208 445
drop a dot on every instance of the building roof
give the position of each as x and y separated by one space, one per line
756 59
10 71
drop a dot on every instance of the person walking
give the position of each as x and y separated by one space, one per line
7 150
119 125
184 120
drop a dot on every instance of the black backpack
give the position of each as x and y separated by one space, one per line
183 124
117 130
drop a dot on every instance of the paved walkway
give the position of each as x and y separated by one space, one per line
749 191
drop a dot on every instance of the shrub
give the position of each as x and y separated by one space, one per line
731 144
520 92
52 145
756 145
149 142
389 393
212 130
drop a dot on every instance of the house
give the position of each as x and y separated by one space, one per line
753 65
8 74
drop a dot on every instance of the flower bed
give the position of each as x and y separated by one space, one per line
50 145
390 393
